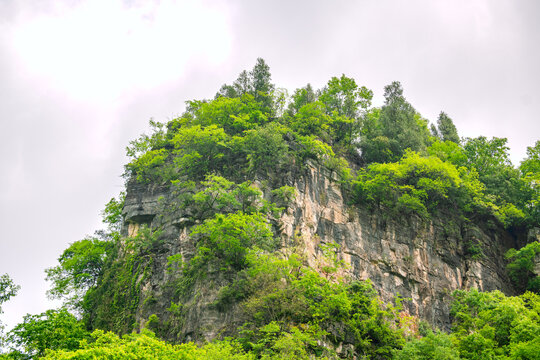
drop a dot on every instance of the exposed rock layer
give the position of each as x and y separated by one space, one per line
423 261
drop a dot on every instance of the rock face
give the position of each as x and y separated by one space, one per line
422 261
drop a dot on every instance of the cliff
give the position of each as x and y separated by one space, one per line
422 261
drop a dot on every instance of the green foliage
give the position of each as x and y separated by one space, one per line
521 267
311 119
112 304
530 171
51 330
343 96
233 115
80 267
284 195
432 346
214 156
393 130
419 185
491 325
145 346
227 237
301 97
291 303
148 167
146 142
112 215
8 289
531 165
256 83
447 129
199 150
219 195
265 149
491 160
448 151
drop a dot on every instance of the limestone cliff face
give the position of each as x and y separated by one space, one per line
422 261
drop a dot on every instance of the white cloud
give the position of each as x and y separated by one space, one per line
101 50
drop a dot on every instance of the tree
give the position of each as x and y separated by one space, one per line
491 160
433 346
490 325
530 174
343 96
257 83
228 237
81 265
262 86
531 164
521 267
8 289
242 85
53 329
301 97
394 129
447 129
400 123
146 346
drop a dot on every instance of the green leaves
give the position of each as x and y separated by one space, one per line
8 289
145 346
343 96
491 325
228 237
81 265
51 330
288 302
522 265
418 184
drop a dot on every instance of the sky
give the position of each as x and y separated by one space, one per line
80 79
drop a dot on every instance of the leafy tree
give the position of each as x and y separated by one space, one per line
491 325
522 265
301 97
448 151
8 289
147 142
433 346
257 83
393 129
262 86
145 346
531 165
200 150
227 238
399 122
491 160
81 265
530 172
447 129
234 115
419 185
311 119
51 330
265 149
112 214
290 303
343 96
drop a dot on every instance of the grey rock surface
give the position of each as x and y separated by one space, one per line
422 261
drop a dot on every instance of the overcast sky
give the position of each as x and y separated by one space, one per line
79 79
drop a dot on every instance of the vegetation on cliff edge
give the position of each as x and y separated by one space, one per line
225 161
